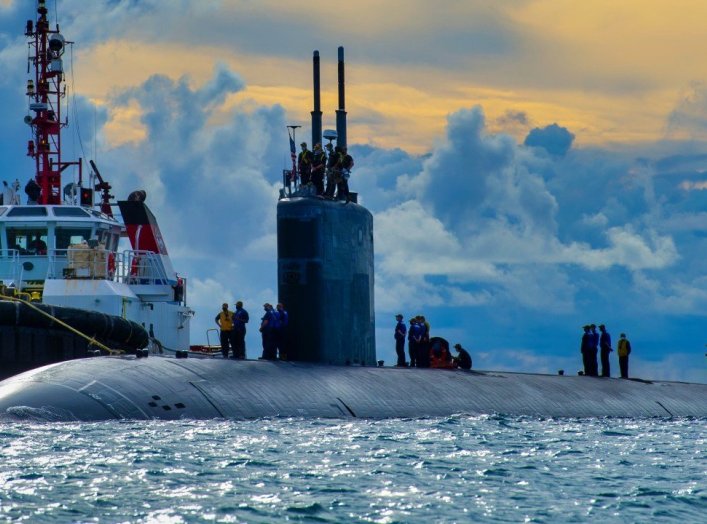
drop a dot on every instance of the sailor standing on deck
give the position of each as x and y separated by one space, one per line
347 163
240 319
224 320
304 165
332 170
586 350
412 342
267 330
400 332
593 351
318 168
605 345
282 321
624 351
423 343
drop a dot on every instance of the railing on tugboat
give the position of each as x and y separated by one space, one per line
129 267
11 268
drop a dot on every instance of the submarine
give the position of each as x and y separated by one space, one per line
325 274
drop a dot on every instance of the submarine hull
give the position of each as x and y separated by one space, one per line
106 388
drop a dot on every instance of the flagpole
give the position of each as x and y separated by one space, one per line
293 153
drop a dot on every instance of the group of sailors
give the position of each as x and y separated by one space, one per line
425 352
333 165
273 328
594 343
232 330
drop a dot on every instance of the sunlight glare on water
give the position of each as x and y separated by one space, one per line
454 469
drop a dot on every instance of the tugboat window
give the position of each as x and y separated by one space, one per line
29 211
65 236
28 241
70 212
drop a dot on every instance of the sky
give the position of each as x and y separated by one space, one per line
532 165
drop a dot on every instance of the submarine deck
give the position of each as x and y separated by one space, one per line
105 388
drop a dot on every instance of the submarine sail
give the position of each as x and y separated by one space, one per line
325 279
325 262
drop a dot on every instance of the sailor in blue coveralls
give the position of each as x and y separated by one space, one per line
400 332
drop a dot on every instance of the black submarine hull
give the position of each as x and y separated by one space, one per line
108 388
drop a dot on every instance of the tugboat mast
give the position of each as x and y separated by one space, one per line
45 93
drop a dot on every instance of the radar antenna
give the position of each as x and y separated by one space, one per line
45 93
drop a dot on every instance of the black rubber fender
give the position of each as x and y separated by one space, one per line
92 323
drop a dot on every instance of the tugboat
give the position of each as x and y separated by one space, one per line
66 291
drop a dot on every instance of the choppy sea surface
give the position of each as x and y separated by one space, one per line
453 469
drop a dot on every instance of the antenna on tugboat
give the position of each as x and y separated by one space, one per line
104 187
45 93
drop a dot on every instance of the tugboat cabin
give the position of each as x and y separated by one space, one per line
41 241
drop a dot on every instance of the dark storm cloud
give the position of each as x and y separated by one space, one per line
444 39
682 163
554 139
513 118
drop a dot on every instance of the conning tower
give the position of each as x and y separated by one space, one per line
325 265
325 279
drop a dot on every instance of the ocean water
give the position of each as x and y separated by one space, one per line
453 469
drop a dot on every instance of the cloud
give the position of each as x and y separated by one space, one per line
554 139
190 166
474 176
693 186
513 118
478 226
202 293
689 117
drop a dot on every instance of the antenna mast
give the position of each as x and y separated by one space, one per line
45 93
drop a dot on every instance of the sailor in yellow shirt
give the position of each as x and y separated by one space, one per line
224 320
624 352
